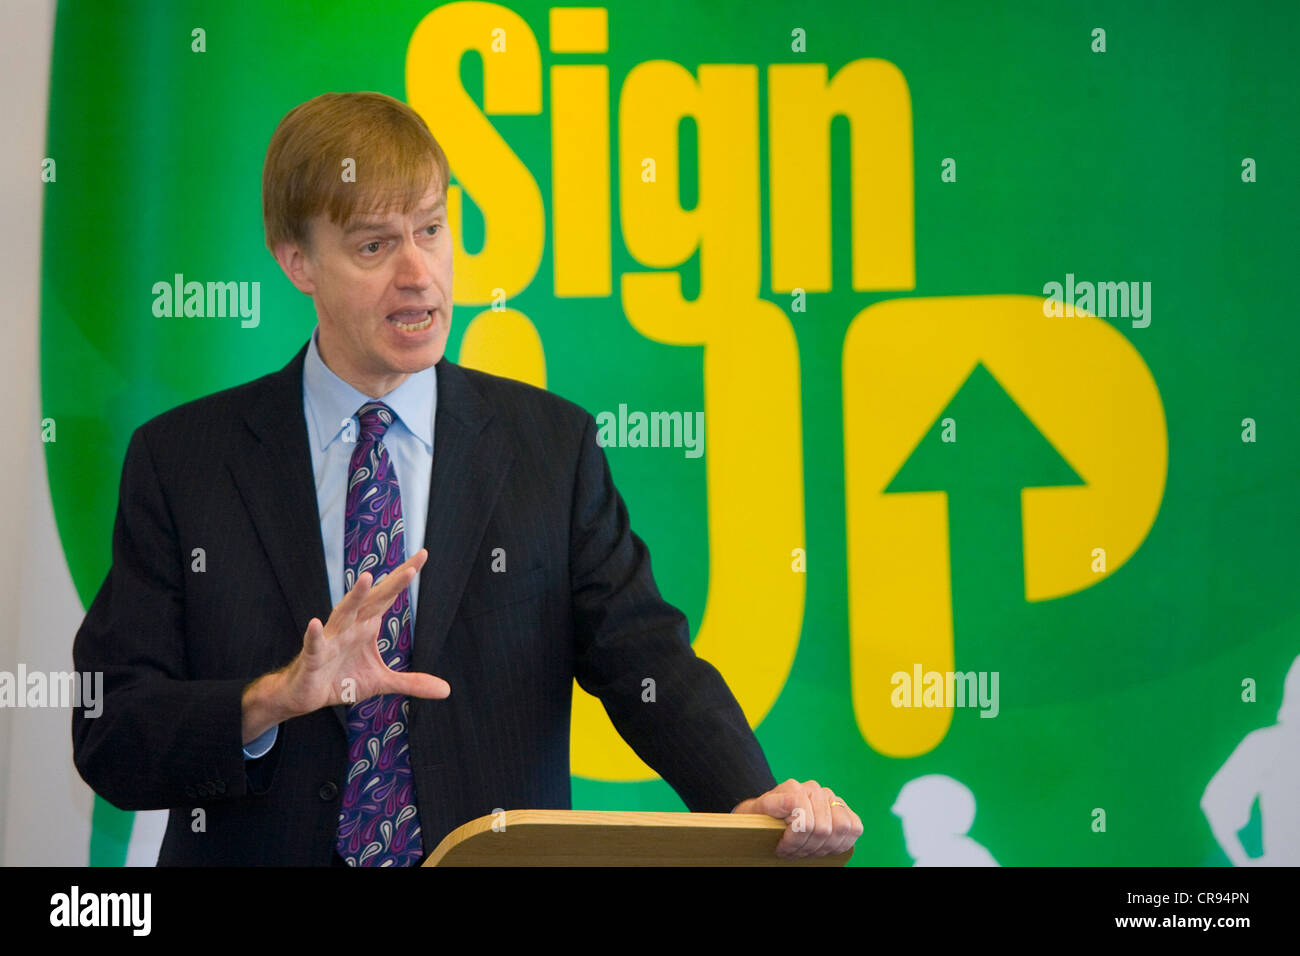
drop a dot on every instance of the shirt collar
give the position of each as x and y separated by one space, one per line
333 401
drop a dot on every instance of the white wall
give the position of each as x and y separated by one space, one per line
44 806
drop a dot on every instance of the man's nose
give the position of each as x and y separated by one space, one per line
412 268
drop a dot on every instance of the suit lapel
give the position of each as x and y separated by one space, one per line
278 487
276 482
470 459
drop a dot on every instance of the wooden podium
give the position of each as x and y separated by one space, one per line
618 838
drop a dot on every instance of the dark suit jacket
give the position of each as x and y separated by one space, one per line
514 467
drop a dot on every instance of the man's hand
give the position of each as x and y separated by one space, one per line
819 823
340 657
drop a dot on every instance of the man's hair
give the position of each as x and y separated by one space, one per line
396 161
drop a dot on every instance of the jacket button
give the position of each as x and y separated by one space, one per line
329 791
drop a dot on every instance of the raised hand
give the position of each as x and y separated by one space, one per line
340 661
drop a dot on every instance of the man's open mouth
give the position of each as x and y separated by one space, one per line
412 320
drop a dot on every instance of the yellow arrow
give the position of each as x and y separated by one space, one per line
1088 392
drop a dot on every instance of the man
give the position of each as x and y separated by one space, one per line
246 516
1262 767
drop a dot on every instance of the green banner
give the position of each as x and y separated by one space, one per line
863 297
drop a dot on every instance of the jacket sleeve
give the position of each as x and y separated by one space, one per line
693 733
162 739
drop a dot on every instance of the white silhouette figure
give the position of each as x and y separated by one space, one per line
937 813
1264 765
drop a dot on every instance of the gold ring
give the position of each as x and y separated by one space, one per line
839 803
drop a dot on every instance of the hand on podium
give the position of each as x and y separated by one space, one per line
818 822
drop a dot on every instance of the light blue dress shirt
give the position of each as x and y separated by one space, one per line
329 403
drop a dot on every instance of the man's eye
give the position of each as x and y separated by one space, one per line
436 225
376 244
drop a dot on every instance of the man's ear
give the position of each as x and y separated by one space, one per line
297 266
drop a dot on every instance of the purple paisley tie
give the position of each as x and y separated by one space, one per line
378 822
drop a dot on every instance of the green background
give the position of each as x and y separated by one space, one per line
1122 165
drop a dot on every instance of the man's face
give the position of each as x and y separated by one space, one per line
382 290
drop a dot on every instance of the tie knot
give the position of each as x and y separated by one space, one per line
375 417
